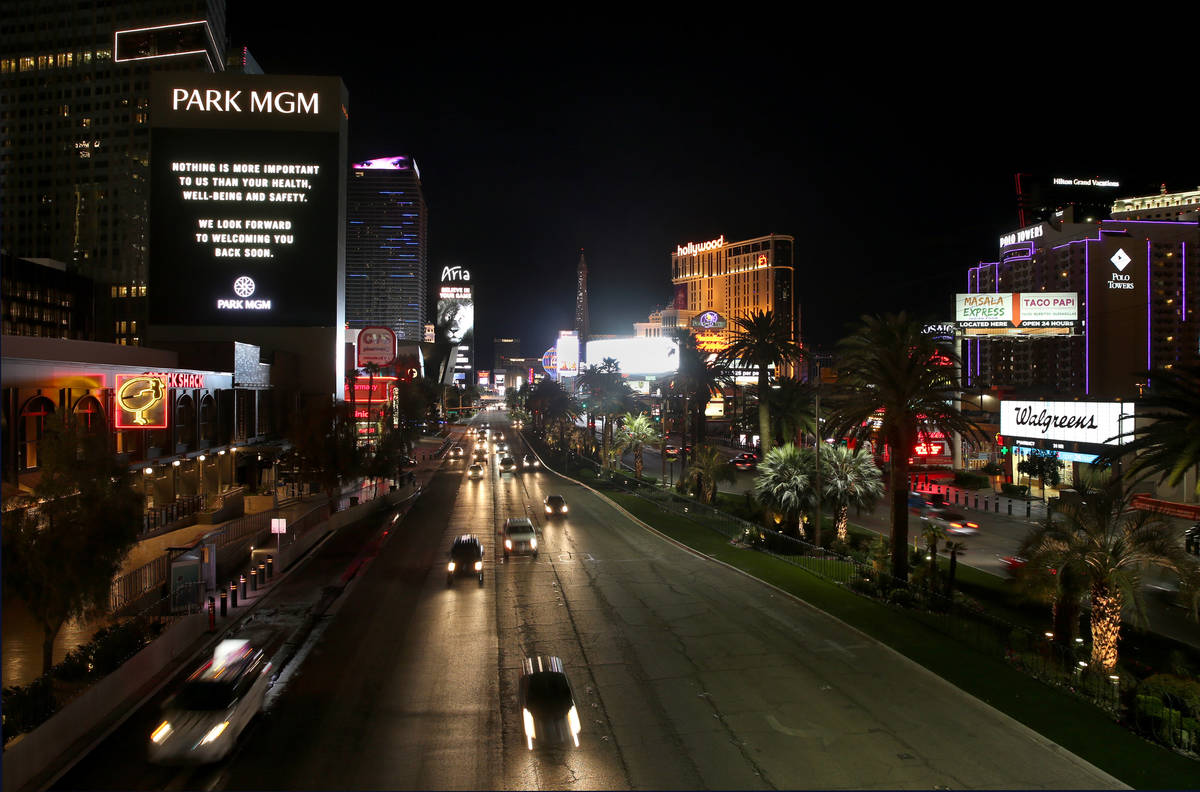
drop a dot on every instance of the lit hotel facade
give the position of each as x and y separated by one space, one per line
733 280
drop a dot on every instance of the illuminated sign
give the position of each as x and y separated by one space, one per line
929 449
450 274
1060 182
1021 309
692 248
638 356
247 181
1024 235
710 342
178 379
376 346
709 320
370 390
1091 423
942 331
568 354
762 259
483 377
141 402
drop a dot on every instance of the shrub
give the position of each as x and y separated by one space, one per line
1173 690
992 469
901 596
968 480
76 665
1015 490
865 586
113 645
28 706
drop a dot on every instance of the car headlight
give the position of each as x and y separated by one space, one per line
573 721
160 733
508 544
549 510
478 565
450 567
564 508
530 733
533 542
215 732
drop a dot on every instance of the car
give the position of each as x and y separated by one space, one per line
744 461
520 536
951 522
556 505
501 448
480 455
203 719
671 451
466 558
508 465
456 452
547 702
475 471
530 462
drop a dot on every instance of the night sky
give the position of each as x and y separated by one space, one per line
891 164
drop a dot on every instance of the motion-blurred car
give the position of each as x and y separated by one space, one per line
501 448
951 522
547 703
466 558
508 465
530 462
456 452
203 720
475 471
520 537
556 505
744 461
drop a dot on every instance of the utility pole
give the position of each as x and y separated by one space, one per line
819 446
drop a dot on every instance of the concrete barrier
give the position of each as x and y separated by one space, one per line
48 744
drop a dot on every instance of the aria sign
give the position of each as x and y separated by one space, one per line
141 402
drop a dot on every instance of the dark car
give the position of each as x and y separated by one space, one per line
547 703
744 461
530 462
556 505
466 558
508 465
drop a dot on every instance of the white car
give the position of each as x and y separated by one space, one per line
520 536
951 522
475 471
202 721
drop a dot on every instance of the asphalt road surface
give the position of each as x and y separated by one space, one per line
688 675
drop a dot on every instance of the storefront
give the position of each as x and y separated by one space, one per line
1073 433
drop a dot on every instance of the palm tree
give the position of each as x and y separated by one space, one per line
608 396
708 468
636 432
887 364
955 548
1167 437
762 339
1099 545
849 477
932 533
782 483
697 380
792 408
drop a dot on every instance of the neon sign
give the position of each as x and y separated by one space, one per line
692 248
141 402
1024 235
175 379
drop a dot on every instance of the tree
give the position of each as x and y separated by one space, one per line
1099 546
607 396
849 477
1044 466
955 548
709 467
636 432
888 364
932 533
793 411
762 339
1165 440
696 381
63 547
326 445
782 483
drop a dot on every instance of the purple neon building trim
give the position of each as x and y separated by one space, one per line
1087 320
1183 270
1149 313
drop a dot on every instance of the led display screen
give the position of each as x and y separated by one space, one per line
640 356
247 200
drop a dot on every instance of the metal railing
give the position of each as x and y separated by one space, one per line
181 507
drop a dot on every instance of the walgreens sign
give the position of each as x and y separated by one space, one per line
1094 423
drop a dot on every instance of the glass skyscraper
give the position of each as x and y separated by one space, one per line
386 247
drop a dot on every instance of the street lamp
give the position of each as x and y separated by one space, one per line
174 482
219 453
200 475
146 473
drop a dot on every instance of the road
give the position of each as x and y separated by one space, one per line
689 675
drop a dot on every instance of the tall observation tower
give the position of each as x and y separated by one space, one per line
581 300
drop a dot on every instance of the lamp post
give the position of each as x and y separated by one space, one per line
220 453
146 473
200 475
174 480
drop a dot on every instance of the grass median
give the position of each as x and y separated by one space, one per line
1072 722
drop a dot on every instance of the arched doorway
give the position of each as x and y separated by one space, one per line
34 415
89 416
185 424
208 421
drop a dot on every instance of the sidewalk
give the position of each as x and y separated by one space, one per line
110 701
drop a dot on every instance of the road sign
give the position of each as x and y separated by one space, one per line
278 525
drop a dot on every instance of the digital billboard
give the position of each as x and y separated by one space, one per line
1007 310
247 217
637 357
456 320
567 353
